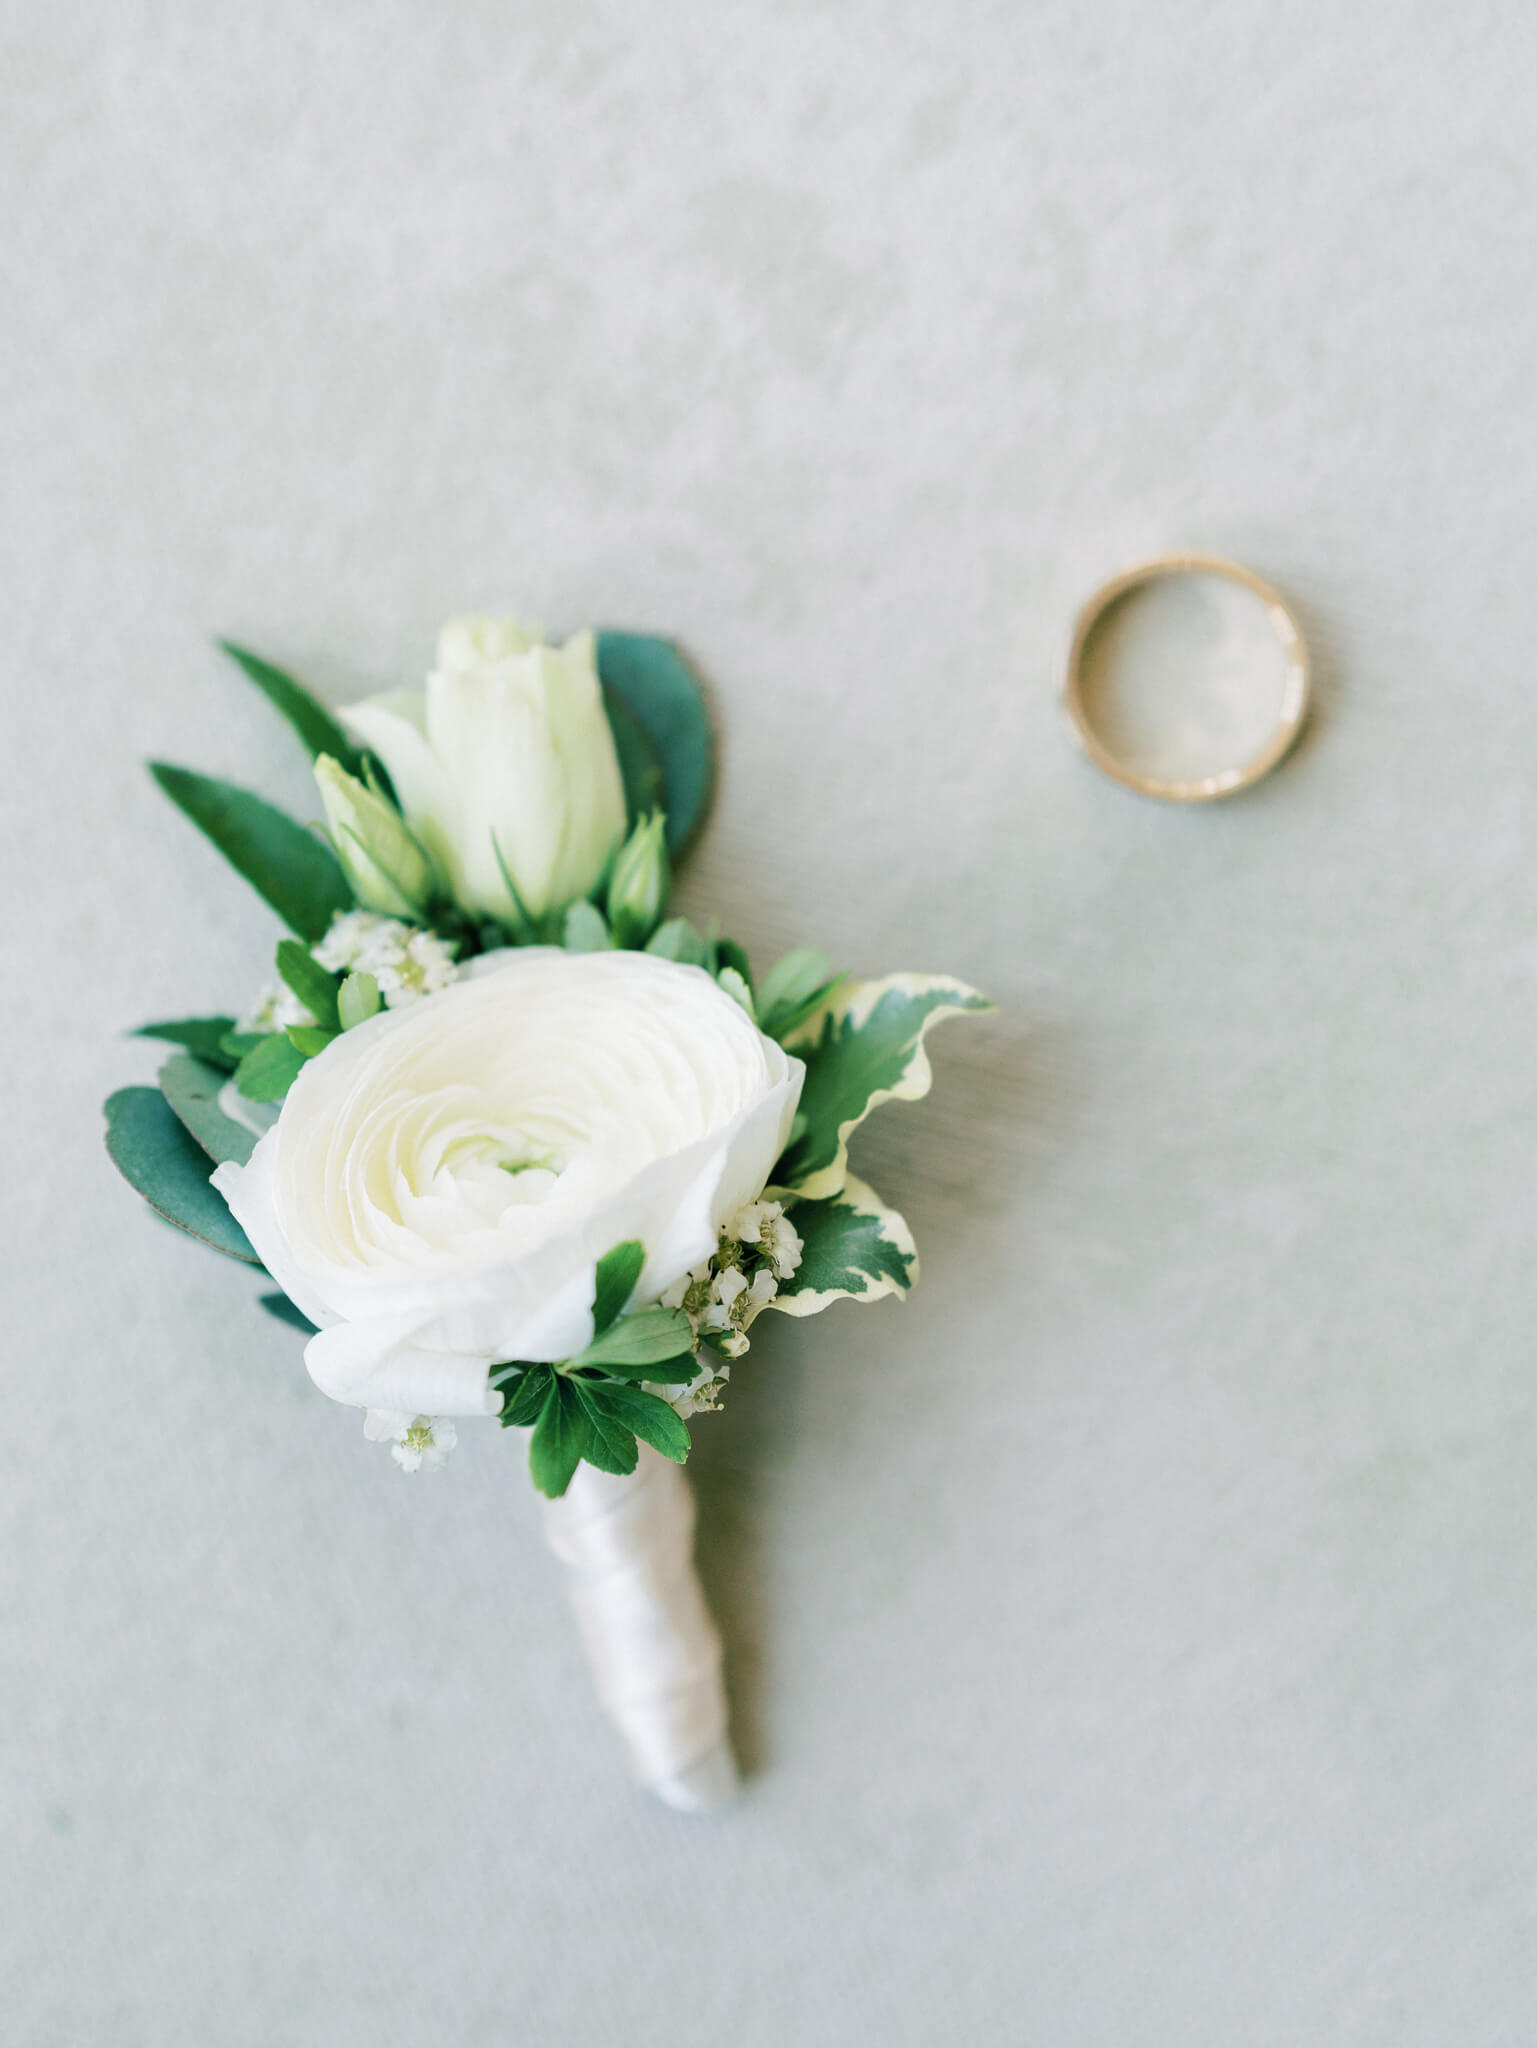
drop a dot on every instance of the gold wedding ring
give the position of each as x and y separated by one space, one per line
1110 753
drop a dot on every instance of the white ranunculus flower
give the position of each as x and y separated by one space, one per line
443 1179
507 748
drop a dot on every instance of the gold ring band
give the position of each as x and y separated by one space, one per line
1295 690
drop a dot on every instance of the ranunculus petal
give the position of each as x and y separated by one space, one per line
375 1365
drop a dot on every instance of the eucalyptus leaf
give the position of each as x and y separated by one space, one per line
640 766
202 1036
305 713
192 1087
270 1069
296 872
655 682
617 1272
280 1306
156 1155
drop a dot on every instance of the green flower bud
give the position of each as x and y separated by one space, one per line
380 858
637 889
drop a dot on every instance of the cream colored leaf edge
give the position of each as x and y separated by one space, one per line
854 1003
855 1195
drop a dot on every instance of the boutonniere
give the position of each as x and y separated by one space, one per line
512 1142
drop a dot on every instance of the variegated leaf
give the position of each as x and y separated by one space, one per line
862 1048
854 1248
193 1091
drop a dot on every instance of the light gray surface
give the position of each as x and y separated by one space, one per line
1134 1640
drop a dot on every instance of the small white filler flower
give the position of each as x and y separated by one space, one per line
405 961
418 1443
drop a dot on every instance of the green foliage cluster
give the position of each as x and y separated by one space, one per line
589 1406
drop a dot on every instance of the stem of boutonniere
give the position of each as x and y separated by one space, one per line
628 1547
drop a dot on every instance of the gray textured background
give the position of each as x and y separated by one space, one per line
1134 1640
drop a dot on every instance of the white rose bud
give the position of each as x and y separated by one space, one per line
386 867
504 766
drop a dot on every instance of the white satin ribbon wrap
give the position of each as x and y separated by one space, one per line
627 1543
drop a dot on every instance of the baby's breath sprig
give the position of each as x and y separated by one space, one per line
758 1248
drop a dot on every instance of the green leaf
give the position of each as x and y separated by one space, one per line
865 1047
678 1370
610 1445
854 1246
618 1271
783 1024
296 872
313 984
793 977
729 955
678 940
202 1036
640 766
646 1339
155 1154
523 1396
310 1038
559 1440
305 713
654 681
268 1071
280 1306
793 988
737 989
192 1089
651 1418
236 1044
357 1000
586 929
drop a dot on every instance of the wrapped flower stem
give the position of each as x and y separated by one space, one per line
627 1543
